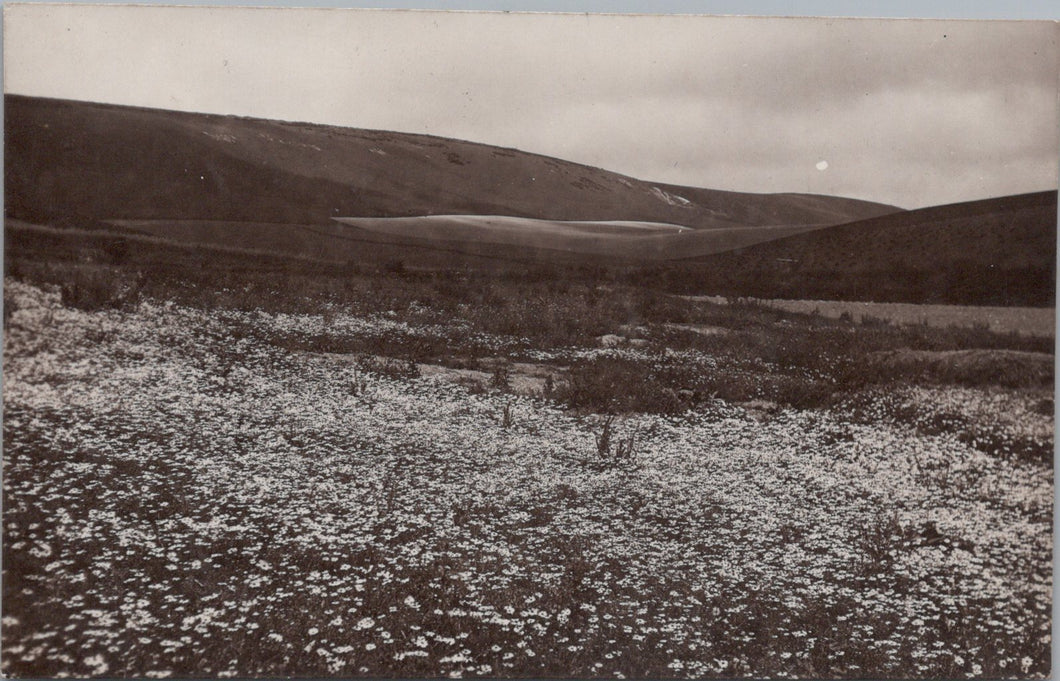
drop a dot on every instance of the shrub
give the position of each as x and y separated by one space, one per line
399 369
117 251
1008 368
665 385
99 289
501 378
878 540
609 384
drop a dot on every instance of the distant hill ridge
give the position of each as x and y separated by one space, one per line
1006 232
999 251
324 193
70 161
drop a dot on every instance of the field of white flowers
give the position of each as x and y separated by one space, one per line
183 498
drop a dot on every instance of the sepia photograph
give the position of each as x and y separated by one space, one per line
437 344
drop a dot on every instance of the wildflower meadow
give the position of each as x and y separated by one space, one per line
229 490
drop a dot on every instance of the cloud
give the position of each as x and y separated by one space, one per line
906 112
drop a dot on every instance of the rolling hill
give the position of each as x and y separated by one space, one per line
75 162
540 239
999 251
1006 232
493 237
350 196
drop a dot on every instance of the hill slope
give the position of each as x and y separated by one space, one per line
71 162
993 251
541 239
1009 231
347 195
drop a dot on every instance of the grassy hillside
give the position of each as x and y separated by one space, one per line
1010 231
998 251
75 162
427 241
541 239
361 198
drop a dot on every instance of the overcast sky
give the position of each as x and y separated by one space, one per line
908 112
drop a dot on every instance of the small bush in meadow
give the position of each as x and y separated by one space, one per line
99 289
618 384
501 378
389 367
